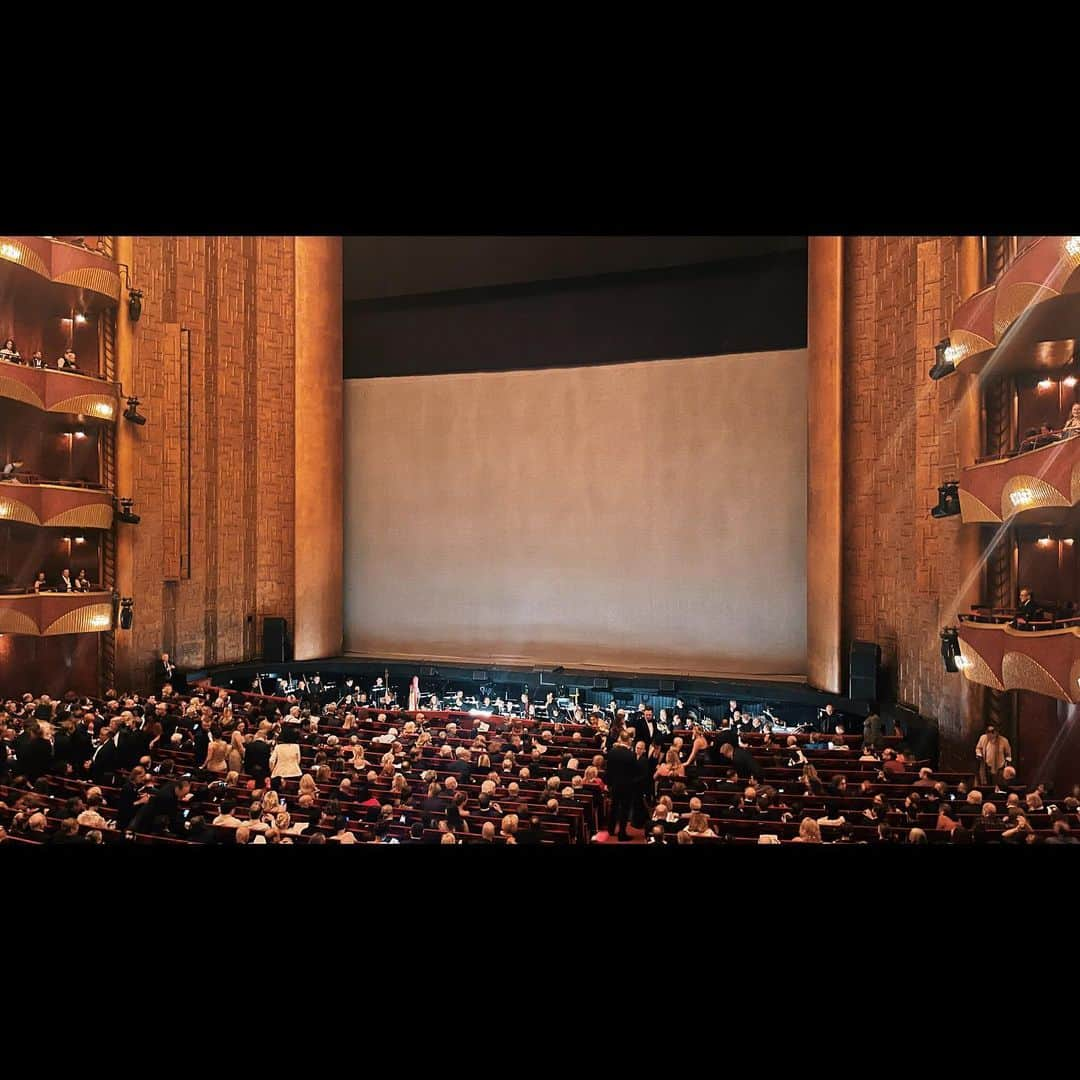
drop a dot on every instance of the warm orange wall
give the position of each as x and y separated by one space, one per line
903 570
236 296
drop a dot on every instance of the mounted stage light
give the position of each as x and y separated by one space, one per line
125 515
127 612
132 411
950 649
948 500
134 295
944 362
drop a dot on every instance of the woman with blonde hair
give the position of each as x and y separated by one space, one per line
271 804
699 746
698 825
592 777
811 781
671 765
217 754
809 832
509 828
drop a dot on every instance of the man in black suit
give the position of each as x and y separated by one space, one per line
646 765
203 738
133 795
622 778
34 751
164 809
645 727
727 734
741 760
168 673
257 758
1028 611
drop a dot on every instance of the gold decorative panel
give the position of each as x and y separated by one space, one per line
14 510
16 622
1020 672
974 510
92 516
1074 484
1011 301
976 669
99 405
1035 492
84 620
1074 680
14 250
18 391
967 344
97 280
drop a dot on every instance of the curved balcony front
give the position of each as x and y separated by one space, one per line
1028 320
49 614
996 654
1012 487
89 277
60 391
65 506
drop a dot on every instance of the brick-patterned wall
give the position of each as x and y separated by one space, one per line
902 578
236 297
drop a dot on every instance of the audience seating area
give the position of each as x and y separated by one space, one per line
782 795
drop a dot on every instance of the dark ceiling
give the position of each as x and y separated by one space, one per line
386 266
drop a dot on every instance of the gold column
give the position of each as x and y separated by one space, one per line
319 428
824 551
125 470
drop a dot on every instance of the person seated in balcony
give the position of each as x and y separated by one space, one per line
10 469
67 361
82 582
1072 425
65 584
37 360
40 584
1028 611
10 352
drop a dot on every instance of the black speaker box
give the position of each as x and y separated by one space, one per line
863 662
274 645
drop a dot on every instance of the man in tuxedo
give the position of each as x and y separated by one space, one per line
168 672
645 727
257 758
741 760
1029 610
34 752
164 809
65 584
203 738
106 757
728 734
622 778
646 765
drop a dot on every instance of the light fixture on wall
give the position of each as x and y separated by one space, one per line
945 360
1069 381
127 612
125 515
1045 384
131 413
134 295
948 500
950 649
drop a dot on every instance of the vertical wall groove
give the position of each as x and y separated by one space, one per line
212 421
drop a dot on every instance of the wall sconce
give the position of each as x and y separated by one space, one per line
125 515
134 295
80 320
132 411
1045 541
945 360
1045 384
1069 381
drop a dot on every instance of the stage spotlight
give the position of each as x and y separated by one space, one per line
950 649
132 411
944 363
125 515
134 304
127 612
948 501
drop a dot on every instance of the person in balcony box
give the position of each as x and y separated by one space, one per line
10 352
1028 611
1072 425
